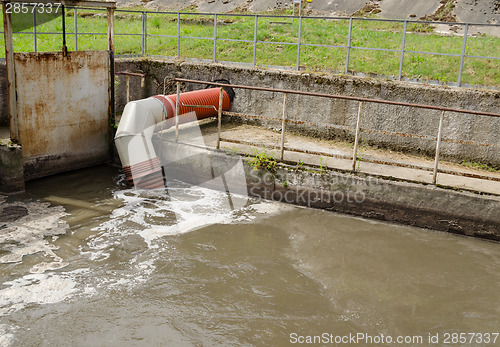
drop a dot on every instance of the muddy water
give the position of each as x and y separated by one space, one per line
88 262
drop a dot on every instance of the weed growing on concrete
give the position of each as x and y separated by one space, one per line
477 165
263 160
321 166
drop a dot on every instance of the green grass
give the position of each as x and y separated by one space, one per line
365 34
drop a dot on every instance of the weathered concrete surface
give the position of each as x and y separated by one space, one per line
62 110
400 9
338 7
4 100
418 205
342 112
11 167
478 11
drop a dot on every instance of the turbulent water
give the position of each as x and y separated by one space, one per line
84 261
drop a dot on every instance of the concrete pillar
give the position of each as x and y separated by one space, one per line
11 167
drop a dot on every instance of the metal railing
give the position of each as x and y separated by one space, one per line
357 129
350 45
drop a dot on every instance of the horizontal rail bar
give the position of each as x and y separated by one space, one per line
199 106
319 45
343 97
279 43
234 40
196 38
376 49
131 73
158 35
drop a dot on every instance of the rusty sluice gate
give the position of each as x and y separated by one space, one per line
134 134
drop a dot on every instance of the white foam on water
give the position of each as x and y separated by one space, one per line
268 207
156 213
35 289
7 335
28 235
151 214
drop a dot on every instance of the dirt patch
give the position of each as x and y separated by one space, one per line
370 8
444 13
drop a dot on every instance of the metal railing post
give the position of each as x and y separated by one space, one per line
215 38
219 117
348 47
283 122
401 61
462 57
178 35
177 112
144 33
255 41
76 30
438 148
298 43
356 138
34 31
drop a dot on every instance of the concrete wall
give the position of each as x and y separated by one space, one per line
375 116
11 167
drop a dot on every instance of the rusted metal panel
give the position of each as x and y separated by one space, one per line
62 110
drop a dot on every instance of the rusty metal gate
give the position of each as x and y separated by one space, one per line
61 103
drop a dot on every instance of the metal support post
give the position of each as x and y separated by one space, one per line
255 41
462 57
144 33
438 148
178 35
401 61
76 29
34 31
283 122
177 112
348 47
215 38
356 138
298 43
219 118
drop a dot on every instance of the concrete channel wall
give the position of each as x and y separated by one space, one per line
420 122
406 203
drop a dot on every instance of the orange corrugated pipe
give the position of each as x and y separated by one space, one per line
204 97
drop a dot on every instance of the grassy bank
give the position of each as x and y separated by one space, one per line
365 34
